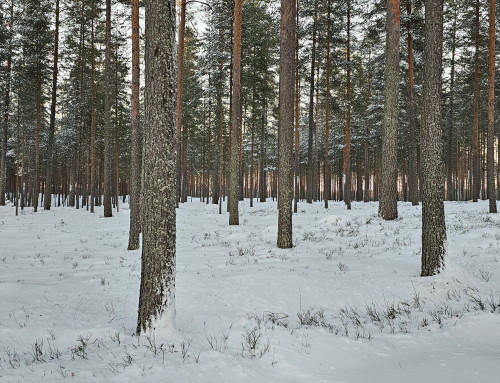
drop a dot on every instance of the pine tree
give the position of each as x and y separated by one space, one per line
135 178
6 37
108 211
433 219
286 118
50 163
157 293
235 117
491 112
388 208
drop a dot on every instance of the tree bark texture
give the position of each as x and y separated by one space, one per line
347 133
157 293
326 172
178 104
286 127
297 103
388 205
108 173
476 151
433 219
491 111
235 118
135 176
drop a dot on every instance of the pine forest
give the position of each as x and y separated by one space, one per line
249 191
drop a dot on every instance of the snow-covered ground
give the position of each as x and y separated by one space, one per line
346 304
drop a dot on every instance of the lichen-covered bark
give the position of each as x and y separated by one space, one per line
388 206
433 220
286 127
159 171
235 118
491 112
135 177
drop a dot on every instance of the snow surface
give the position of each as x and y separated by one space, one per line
346 304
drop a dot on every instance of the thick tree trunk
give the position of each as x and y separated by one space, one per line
285 126
491 112
235 118
388 206
157 294
433 219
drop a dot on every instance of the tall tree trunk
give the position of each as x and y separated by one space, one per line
476 151
23 180
347 133
251 170
235 117
253 127
451 157
491 112
157 293
412 136
36 180
310 142
433 219
3 158
326 175
50 145
17 157
388 206
297 103
218 173
366 191
178 104
92 123
316 169
108 173
116 146
135 175
285 126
